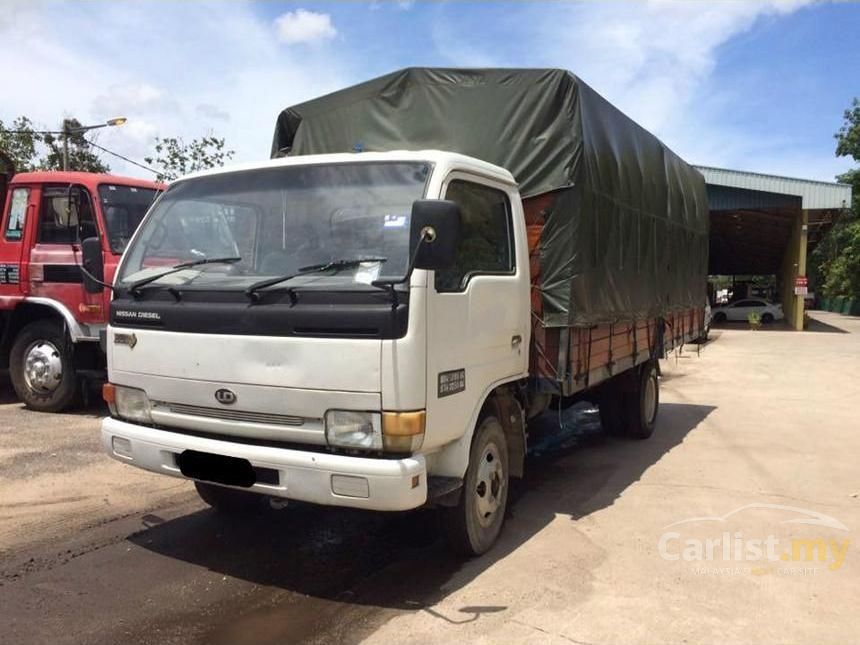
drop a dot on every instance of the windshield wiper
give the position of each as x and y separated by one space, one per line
252 291
134 287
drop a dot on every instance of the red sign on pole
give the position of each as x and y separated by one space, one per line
801 285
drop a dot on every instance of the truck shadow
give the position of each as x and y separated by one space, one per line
348 564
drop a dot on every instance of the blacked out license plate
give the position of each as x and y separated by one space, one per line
218 469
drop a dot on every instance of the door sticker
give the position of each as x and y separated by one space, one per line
451 382
9 273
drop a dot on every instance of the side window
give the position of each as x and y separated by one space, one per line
66 216
485 235
17 214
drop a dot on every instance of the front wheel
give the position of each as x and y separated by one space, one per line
41 367
473 525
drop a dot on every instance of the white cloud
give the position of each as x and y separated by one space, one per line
145 63
209 111
303 26
655 61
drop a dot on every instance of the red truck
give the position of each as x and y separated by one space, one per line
50 316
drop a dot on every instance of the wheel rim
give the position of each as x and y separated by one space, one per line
43 367
489 485
649 398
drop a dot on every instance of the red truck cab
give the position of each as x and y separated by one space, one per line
50 315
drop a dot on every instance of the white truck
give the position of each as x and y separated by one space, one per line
355 330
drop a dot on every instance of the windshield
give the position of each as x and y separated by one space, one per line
123 208
280 220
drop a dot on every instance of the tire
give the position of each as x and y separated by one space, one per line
230 500
719 317
474 524
610 406
41 367
642 402
767 319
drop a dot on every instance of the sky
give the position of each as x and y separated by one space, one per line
753 85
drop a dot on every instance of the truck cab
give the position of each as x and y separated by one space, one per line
342 329
51 315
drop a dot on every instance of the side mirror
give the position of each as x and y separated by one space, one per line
93 264
437 223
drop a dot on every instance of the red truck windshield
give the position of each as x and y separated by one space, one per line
123 208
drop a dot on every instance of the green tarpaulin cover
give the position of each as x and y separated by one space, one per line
627 234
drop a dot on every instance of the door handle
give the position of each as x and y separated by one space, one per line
516 339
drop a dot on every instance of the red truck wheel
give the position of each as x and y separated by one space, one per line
41 367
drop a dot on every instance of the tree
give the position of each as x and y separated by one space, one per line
81 155
848 145
174 158
32 149
836 260
19 140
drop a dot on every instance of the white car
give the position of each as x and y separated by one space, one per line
741 309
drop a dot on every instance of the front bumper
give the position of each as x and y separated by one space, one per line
305 476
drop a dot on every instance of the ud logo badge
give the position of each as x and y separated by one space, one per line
225 396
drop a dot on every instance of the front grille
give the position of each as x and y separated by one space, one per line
232 415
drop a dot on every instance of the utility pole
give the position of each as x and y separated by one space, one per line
66 144
69 130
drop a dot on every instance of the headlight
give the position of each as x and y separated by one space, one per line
389 431
127 403
353 429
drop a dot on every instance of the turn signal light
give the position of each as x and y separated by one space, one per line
109 395
403 431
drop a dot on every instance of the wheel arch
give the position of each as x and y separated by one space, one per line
18 318
501 401
76 331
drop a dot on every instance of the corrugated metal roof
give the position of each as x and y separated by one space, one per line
814 194
725 198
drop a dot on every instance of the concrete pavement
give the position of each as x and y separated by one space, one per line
758 429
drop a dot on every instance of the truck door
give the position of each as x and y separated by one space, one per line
478 310
65 217
14 221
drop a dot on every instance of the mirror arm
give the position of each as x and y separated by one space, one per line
390 284
409 269
95 279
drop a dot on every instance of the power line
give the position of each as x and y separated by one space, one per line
116 154
94 145
32 132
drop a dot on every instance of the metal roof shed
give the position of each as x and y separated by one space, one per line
764 224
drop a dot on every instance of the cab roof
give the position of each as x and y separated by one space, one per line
89 179
442 159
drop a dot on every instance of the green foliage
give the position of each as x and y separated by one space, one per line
81 156
21 143
31 149
174 158
754 319
842 272
848 137
835 262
